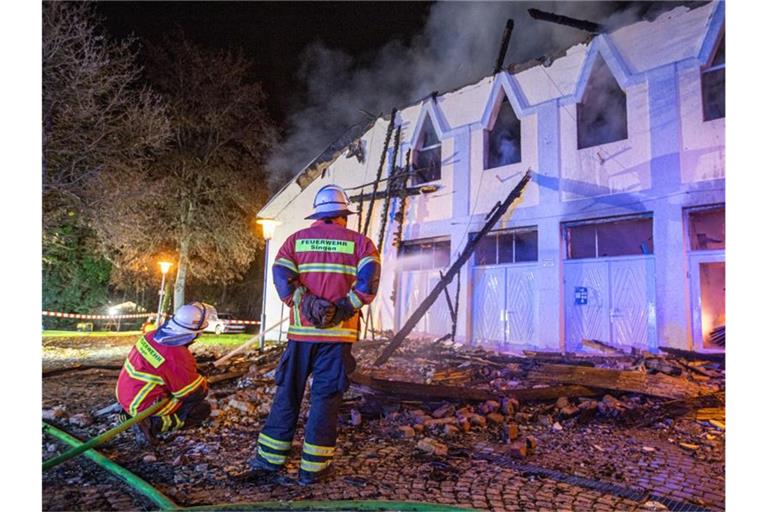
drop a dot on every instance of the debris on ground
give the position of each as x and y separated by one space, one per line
439 422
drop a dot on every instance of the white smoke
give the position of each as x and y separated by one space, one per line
459 45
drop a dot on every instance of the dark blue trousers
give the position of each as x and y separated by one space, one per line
330 365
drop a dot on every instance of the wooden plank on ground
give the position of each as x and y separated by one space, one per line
427 392
606 378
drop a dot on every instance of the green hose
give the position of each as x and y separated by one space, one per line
103 438
329 505
134 481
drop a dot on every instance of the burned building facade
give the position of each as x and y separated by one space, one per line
620 235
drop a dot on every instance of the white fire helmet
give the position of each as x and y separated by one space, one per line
186 324
330 201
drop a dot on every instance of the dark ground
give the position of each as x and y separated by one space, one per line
680 460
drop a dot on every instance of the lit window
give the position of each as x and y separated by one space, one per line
503 140
425 254
713 85
516 246
602 113
706 229
610 237
426 159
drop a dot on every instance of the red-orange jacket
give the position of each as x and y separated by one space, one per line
331 262
152 371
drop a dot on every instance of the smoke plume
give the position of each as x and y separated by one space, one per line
458 45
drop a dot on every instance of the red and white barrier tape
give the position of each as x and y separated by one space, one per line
82 316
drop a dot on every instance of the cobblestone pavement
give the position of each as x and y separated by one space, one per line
595 467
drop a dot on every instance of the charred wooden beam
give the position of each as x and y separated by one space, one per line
696 356
469 249
659 384
504 45
380 169
589 26
382 194
645 416
429 392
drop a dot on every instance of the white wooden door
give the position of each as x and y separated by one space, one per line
522 305
633 303
587 302
489 305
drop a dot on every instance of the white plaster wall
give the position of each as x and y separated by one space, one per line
540 84
703 156
674 36
620 166
465 106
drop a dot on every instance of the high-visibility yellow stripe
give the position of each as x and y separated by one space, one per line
334 268
140 396
368 259
168 408
271 457
353 298
142 376
312 331
166 423
323 451
314 467
189 387
273 443
283 262
179 421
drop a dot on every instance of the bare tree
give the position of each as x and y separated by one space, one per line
97 120
100 125
203 193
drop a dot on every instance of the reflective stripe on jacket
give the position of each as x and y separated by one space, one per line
153 371
331 262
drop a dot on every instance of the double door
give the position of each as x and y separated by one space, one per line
612 300
505 305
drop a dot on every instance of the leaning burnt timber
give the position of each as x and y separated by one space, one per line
469 249
658 384
589 26
504 45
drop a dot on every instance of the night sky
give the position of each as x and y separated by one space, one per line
325 65
271 34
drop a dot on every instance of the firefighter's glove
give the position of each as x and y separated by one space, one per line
318 311
344 311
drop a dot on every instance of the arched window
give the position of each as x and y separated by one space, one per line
602 113
426 158
503 140
713 84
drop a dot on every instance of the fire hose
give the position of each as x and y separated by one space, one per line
102 438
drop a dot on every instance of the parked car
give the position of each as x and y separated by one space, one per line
220 324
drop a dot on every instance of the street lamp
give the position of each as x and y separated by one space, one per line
164 267
268 231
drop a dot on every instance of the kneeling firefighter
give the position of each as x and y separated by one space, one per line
324 274
160 365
